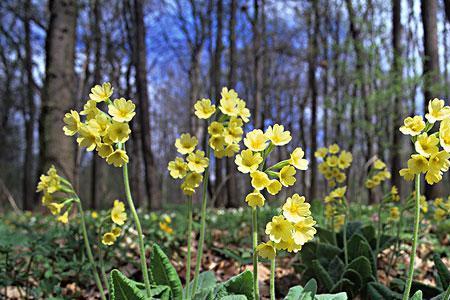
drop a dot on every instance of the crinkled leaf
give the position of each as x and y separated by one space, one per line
163 273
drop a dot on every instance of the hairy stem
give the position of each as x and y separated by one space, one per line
255 254
272 279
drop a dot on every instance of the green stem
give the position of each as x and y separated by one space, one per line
102 269
344 234
201 241
272 279
255 254
144 269
415 240
379 228
89 252
189 245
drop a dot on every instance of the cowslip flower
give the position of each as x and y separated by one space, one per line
215 128
178 168
119 132
255 199
266 250
122 110
444 134
117 158
437 111
108 238
228 102
277 135
197 162
304 230
102 92
260 180
73 123
286 176
204 109
279 229
413 125
248 161
274 187
295 208
297 159
256 140
427 145
321 152
89 136
186 143
90 110
118 214
64 218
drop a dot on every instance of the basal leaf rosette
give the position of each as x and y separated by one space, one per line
334 163
104 131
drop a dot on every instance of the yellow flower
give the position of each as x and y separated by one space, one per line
266 250
274 187
94 215
255 199
217 142
116 231
440 214
323 168
289 245
297 159
103 124
228 102
47 199
64 218
248 161
89 136
230 150
304 230
345 159
260 180
369 184
433 176
108 239
286 175
178 168
341 177
427 145
339 192
333 149
233 134
277 135
423 204
279 229
413 126
444 134
186 143
418 164
439 161
407 174
192 180
394 213
215 128
243 111
256 140
332 161
295 208
197 162
165 227
118 214
118 158
55 208
378 164
321 152
204 109
73 123
437 111
90 110
119 132
122 110
102 92
104 150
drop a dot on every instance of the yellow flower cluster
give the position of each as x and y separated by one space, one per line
164 225
429 159
101 131
377 174
227 130
334 163
441 209
190 167
335 207
118 218
394 214
252 161
50 185
289 231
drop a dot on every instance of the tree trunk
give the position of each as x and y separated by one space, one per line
59 88
257 66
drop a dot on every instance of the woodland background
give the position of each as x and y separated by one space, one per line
345 71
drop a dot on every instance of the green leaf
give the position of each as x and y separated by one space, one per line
310 290
362 266
322 275
325 235
234 297
428 291
417 296
206 284
355 278
309 253
339 296
326 253
241 284
122 288
344 285
443 272
294 293
358 246
336 268
377 291
163 273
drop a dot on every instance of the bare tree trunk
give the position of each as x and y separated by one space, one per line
257 65
59 88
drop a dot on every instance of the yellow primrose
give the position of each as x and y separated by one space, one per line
407 174
187 190
122 110
260 180
418 164
178 168
228 102
64 218
186 143
118 214
116 231
256 140
165 227
379 164
215 128
279 229
341 177
345 159
193 180
242 111
266 250
277 135
332 161
433 176
90 110
439 161
197 162
413 126
439 214
104 150
233 134
73 123
297 159
304 230
119 132
217 142
248 161
118 158
103 124
94 215
444 134
55 208
255 199
47 199
394 214
333 149
427 145
339 192
102 92
274 187
204 109
89 136
286 176
230 150
321 152
295 208
108 238
289 245
437 111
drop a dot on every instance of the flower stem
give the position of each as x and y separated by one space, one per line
272 279
201 241
255 254
144 269
89 252
344 234
415 240
189 245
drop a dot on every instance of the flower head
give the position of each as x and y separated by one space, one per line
427 145
413 126
122 110
117 158
260 180
279 229
248 161
255 199
295 208
178 168
304 230
256 140
186 143
108 238
204 109
119 132
102 92
297 159
266 250
437 111
277 135
197 162
73 123
287 176
274 187
118 214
